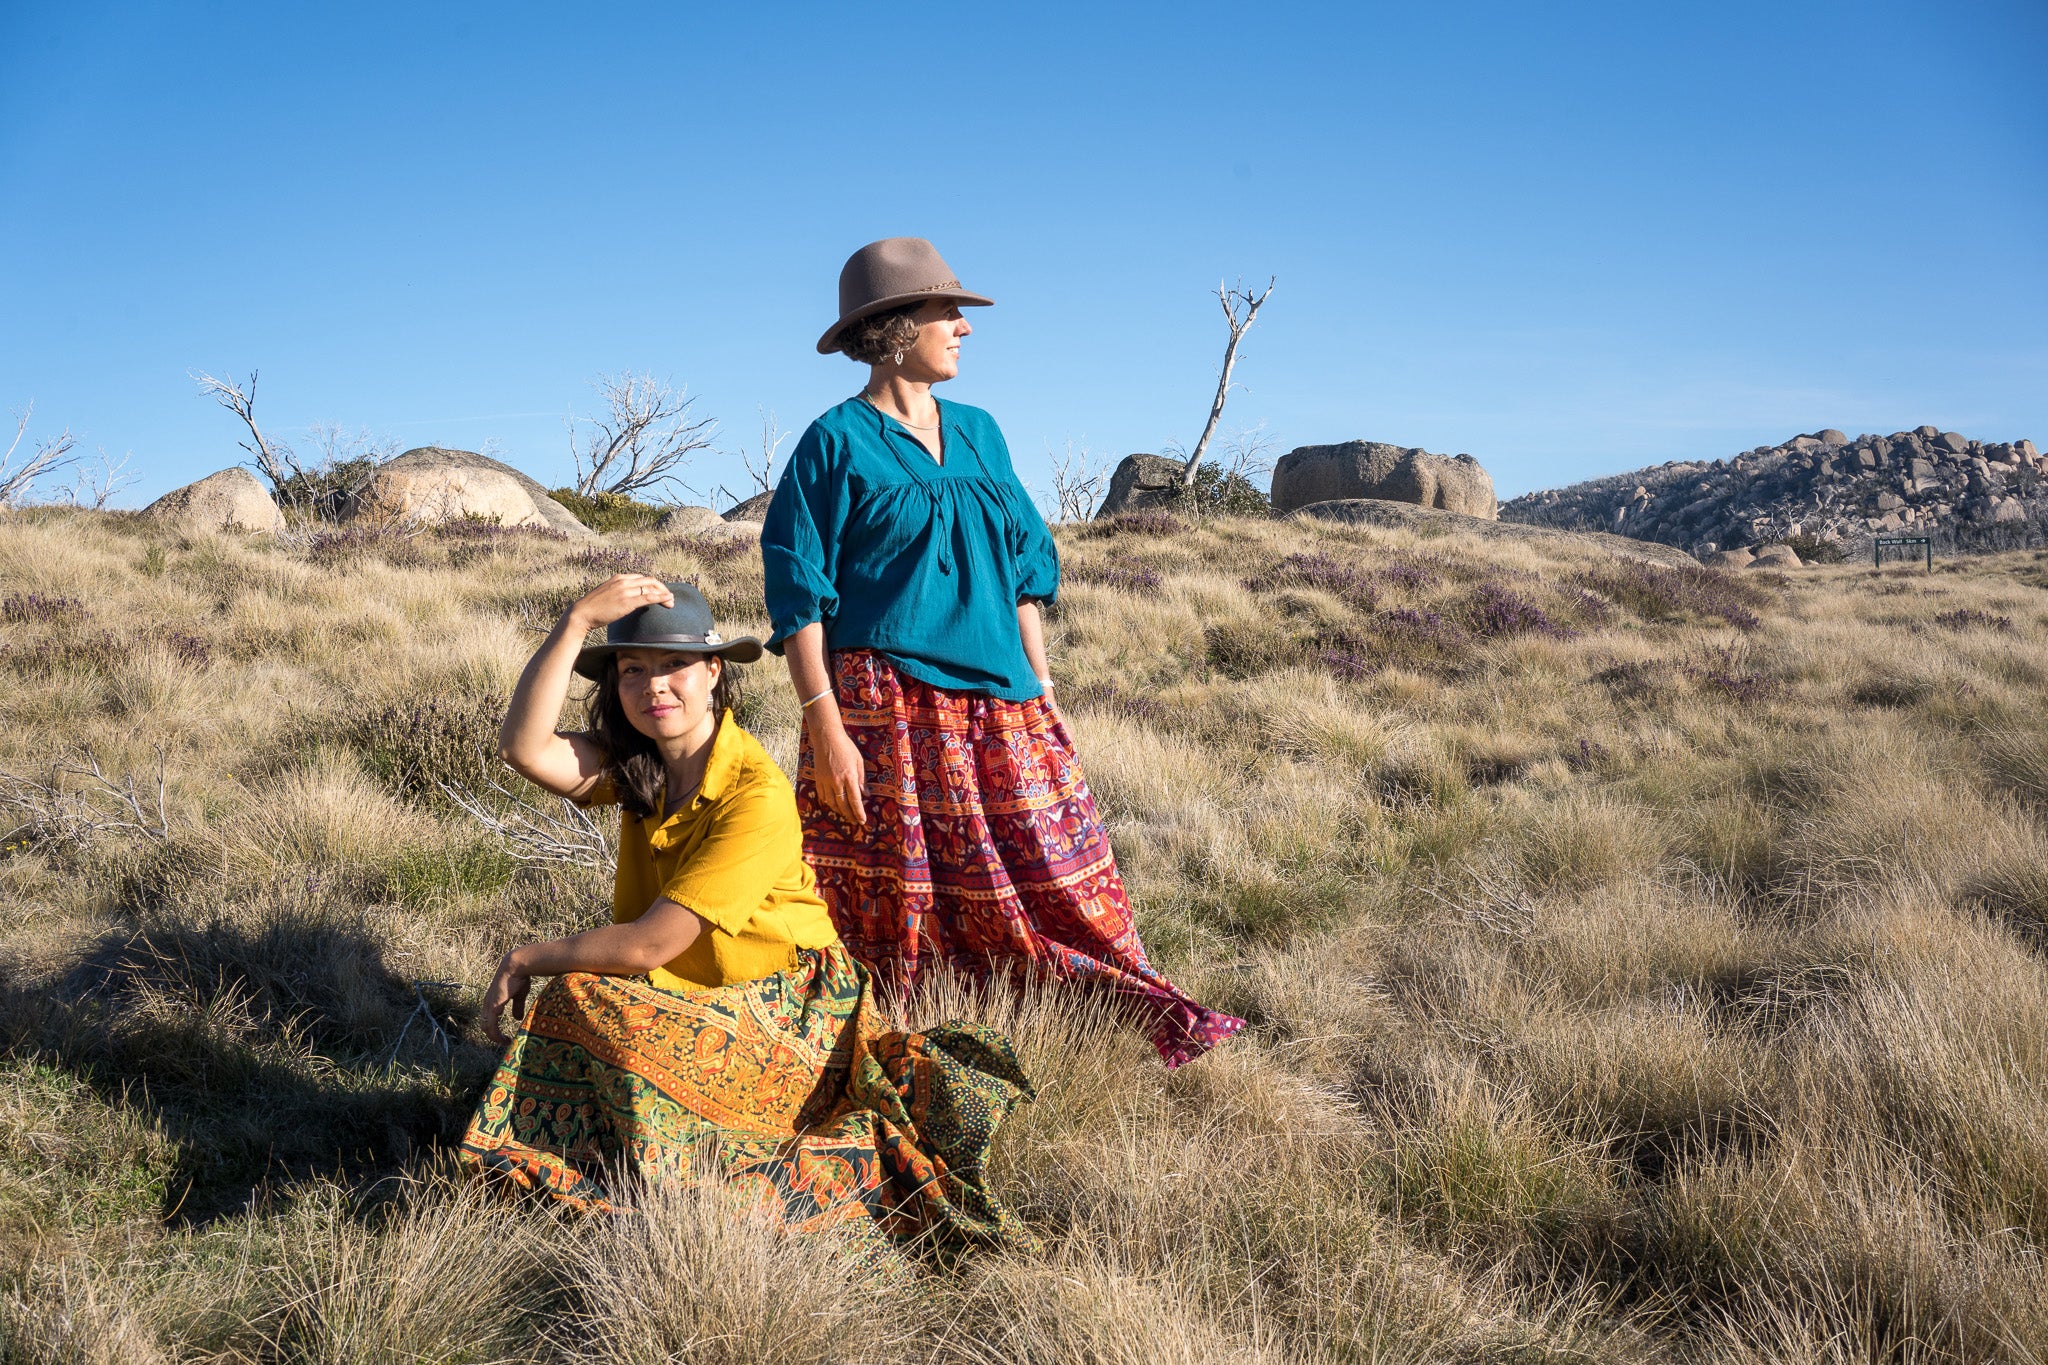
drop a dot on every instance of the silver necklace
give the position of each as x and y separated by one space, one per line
914 426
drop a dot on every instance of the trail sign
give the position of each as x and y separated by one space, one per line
1905 543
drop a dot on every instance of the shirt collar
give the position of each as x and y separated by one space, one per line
728 751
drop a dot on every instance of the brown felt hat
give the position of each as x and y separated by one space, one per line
888 274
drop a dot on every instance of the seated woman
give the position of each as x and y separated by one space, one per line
717 1022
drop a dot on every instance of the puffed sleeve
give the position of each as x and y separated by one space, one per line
752 839
1032 550
800 537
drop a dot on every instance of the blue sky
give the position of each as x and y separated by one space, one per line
1568 239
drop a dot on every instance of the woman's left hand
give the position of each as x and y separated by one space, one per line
507 988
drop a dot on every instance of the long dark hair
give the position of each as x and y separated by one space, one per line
631 761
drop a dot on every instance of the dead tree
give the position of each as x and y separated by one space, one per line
1240 308
772 437
1079 481
272 459
644 441
47 458
94 485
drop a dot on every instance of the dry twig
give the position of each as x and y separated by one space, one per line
55 812
572 839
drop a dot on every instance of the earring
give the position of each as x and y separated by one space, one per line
898 358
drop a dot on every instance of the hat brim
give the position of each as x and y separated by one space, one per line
829 342
744 650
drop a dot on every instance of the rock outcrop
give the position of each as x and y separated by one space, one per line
1372 512
688 520
231 500
1967 495
427 496
442 467
753 509
1385 473
1141 481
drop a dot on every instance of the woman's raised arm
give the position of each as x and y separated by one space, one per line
566 764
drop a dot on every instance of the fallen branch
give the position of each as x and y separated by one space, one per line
573 839
50 812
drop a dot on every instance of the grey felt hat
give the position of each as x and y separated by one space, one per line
888 274
685 628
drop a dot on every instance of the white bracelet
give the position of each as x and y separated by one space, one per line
820 697
1046 683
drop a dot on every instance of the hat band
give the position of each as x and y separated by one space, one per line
712 638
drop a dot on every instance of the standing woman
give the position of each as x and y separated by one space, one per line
942 803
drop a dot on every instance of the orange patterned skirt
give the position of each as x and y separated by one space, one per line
982 850
788 1087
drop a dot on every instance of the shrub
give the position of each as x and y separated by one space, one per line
1348 665
1656 593
1965 618
605 512
1149 522
493 532
96 652
19 609
603 561
1317 571
191 650
1493 612
1245 649
1216 493
353 544
1413 576
412 746
323 492
714 550
1631 680
1814 550
1747 688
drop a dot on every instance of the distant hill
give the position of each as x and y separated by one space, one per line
1970 496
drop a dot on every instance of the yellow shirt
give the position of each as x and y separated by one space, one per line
734 854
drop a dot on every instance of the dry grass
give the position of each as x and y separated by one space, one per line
1640 968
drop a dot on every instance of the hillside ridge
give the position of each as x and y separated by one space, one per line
1970 496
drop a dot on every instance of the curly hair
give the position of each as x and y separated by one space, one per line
879 336
631 760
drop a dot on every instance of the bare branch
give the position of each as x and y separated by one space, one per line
73 814
47 458
272 459
1079 481
1240 309
772 436
95 484
644 440
574 838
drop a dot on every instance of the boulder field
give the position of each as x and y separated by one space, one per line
1968 495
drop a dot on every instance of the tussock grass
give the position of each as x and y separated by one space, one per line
1641 966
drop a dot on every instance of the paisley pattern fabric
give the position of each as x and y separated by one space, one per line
982 850
789 1087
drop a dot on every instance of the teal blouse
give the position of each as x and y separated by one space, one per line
922 562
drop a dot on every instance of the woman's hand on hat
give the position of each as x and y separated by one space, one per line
618 595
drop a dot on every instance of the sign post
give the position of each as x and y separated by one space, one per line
1906 543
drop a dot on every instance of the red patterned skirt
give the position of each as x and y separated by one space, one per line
982 850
